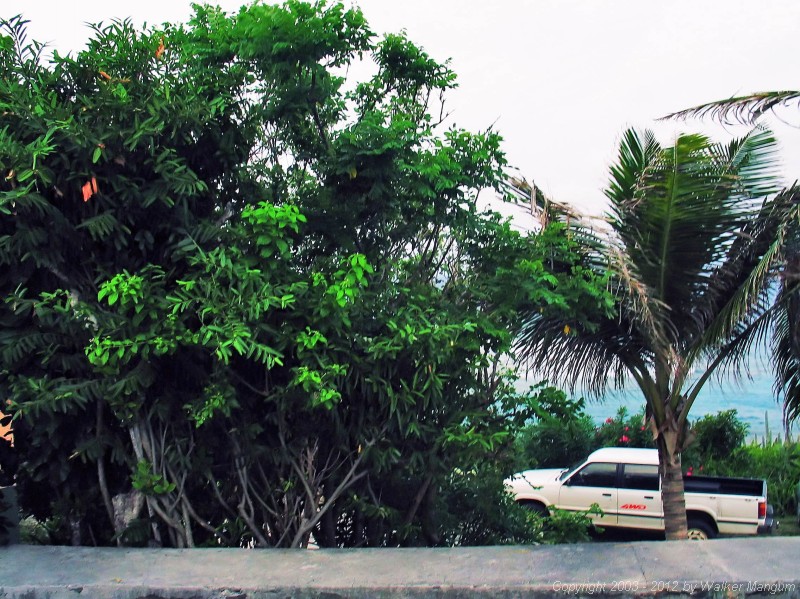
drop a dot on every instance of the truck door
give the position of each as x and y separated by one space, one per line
596 483
639 497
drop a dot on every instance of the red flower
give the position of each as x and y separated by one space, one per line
609 420
160 49
89 189
624 438
627 429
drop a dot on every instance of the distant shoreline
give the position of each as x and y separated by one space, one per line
754 402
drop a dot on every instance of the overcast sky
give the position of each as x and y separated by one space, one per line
559 79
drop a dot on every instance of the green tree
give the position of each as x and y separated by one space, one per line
694 242
245 299
561 433
113 161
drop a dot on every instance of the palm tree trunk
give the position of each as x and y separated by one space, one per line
669 461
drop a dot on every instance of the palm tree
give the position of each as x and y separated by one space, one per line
694 241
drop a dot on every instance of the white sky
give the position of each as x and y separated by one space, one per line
559 79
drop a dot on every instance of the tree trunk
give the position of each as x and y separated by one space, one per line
325 534
75 530
430 524
669 462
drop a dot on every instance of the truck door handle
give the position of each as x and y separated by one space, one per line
606 494
648 496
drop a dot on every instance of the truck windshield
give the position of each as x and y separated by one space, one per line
571 469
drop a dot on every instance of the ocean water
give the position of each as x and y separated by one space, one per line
753 398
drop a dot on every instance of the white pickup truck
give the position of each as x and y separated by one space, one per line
625 483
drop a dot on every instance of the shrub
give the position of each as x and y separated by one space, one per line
719 449
562 433
623 430
717 436
564 526
201 324
777 462
479 511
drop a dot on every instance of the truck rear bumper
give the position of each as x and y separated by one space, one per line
770 523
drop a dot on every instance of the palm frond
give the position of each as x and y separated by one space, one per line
786 338
740 110
749 166
748 267
594 358
636 154
786 357
732 355
577 359
648 313
697 200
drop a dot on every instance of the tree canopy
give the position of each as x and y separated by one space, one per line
246 298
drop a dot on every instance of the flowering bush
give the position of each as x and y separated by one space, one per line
623 430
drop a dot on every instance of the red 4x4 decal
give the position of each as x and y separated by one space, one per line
633 506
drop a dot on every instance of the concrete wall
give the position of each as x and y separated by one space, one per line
10 516
753 567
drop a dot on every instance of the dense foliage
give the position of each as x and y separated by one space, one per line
558 442
247 299
716 437
775 461
560 434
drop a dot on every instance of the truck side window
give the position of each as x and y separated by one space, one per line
595 475
640 476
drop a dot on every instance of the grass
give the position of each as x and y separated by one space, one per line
788 526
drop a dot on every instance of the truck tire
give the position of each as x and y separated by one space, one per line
700 530
537 508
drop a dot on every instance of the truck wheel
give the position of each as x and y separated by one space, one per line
699 530
537 508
